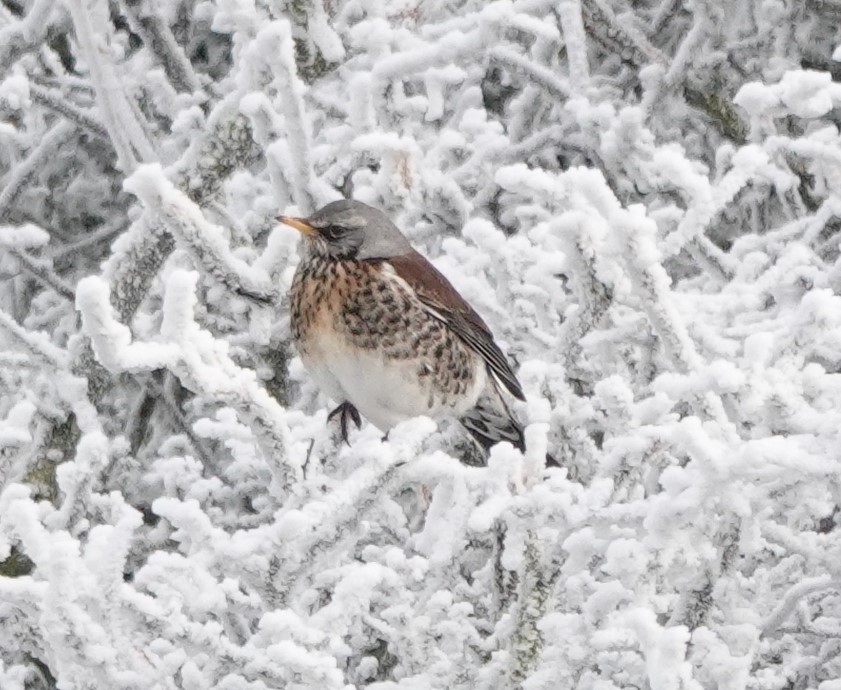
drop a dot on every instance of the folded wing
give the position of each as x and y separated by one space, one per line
442 300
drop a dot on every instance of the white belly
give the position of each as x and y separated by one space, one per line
385 392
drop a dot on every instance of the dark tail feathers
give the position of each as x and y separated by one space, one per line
491 422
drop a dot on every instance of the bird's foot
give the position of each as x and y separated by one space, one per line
346 412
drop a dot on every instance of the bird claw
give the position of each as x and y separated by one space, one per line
346 411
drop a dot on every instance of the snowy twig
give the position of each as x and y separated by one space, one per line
794 594
533 595
581 240
619 37
362 491
76 478
749 163
99 237
388 74
138 256
37 343
44 273
60 104
675 72
183 219
276 39
554 85
166 392
226 144
200 172
695 602
707 254
576 43
720 110
158 38
139 417
33 162
652 282
28 34
664 13
688 50
193 355
551 137
125 130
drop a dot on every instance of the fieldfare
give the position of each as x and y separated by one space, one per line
384 334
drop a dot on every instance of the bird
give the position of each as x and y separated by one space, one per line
387 337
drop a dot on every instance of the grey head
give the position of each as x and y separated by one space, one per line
349 229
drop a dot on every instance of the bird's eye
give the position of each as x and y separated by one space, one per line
332 232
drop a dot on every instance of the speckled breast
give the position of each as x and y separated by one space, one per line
364 306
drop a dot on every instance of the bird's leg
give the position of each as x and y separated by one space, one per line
346 411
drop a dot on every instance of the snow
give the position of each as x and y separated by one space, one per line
642 204
26 236
804 93
14 92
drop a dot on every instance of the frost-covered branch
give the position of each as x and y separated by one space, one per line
28 34
158 38
576 43
184 220
36 158
200 172
533 596
749 163
667 294
223 147
664 13
792 597
582 238
192 355
275 40
127 133
361 493
38 344
43 272
60 104
653 283
618 37
553 84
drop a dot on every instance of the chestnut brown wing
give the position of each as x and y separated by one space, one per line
443 301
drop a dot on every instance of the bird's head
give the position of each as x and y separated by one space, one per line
350 230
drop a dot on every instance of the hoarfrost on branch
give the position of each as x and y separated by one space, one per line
642 200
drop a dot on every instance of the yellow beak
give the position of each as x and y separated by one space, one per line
300 224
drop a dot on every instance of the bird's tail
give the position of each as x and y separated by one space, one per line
491 422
